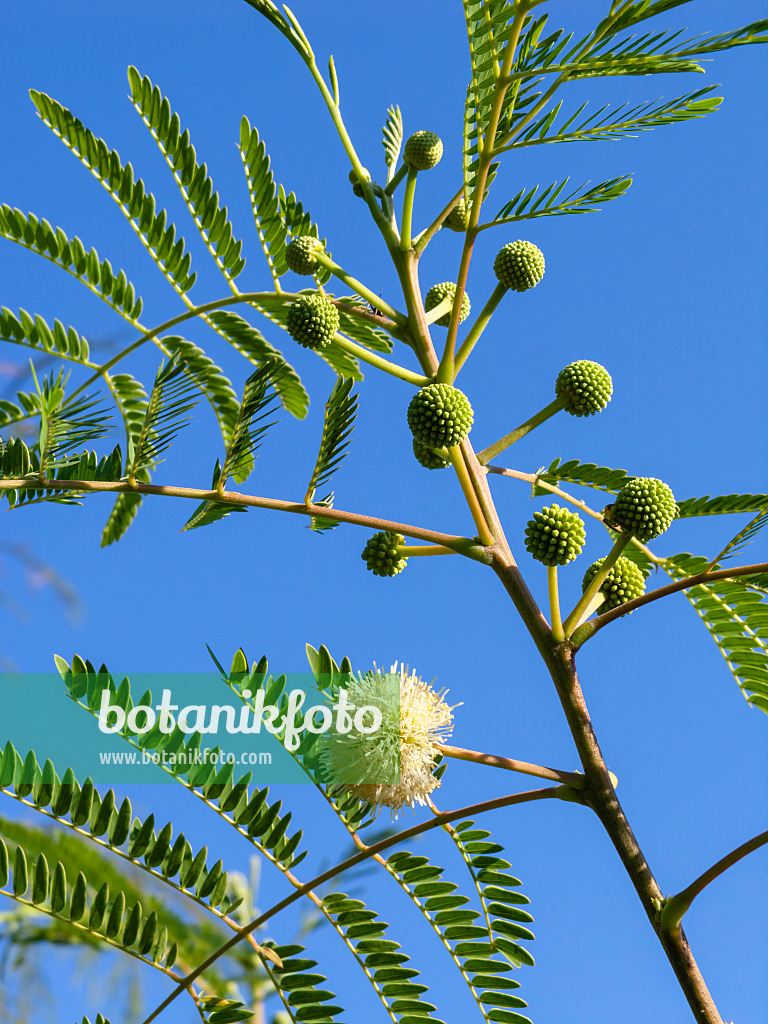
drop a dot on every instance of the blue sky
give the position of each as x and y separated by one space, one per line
665 287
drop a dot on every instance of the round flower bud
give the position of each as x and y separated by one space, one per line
458 218
312 321
299 254
585 387
381 556
440 415
428 458
519 265
644 507
555 536
624 582
423 150
436 294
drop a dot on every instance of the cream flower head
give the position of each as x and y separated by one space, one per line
392 765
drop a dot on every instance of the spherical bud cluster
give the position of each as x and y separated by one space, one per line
458 218
519 265
585 387
644 507
440 415
300 254
445 290
624 582
428 458
423 150
555 536
312 321
381 555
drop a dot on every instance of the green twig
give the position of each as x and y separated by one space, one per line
554 604
525 428
479 325
373 359
407 218
459 465
600 577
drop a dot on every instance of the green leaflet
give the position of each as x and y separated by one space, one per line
737 619
249 342
744 537
297 982
722 504
526 205
340 412
365 932
392 140
71 255
587 474
247 435
249 812
127 931
34 332
169 401
192 178
619 123
131 196
488 24
112 827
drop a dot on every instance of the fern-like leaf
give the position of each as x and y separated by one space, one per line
71 255
249 342
340 412
724 504
195 185
392 140
587 474
528 205
173 395
618 123
737 619
34 332
155 233
744 537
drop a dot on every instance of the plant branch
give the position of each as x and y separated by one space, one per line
462 544
351 862
482 321
373 359
554 604
599 578
426 236
676 906
525 428
536 481
575 781
375 300
483 531
407 217
590 628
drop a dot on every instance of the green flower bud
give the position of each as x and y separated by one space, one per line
624 582
428 458
381 556
555 536
585 387
312 321
299 254
435 296
519 265
458 218
423 150
644 507
440 415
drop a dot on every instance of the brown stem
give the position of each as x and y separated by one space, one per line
462 544
523 767
590 628
358 858
600 795
678 905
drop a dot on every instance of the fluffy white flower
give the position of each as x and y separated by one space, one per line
392 765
